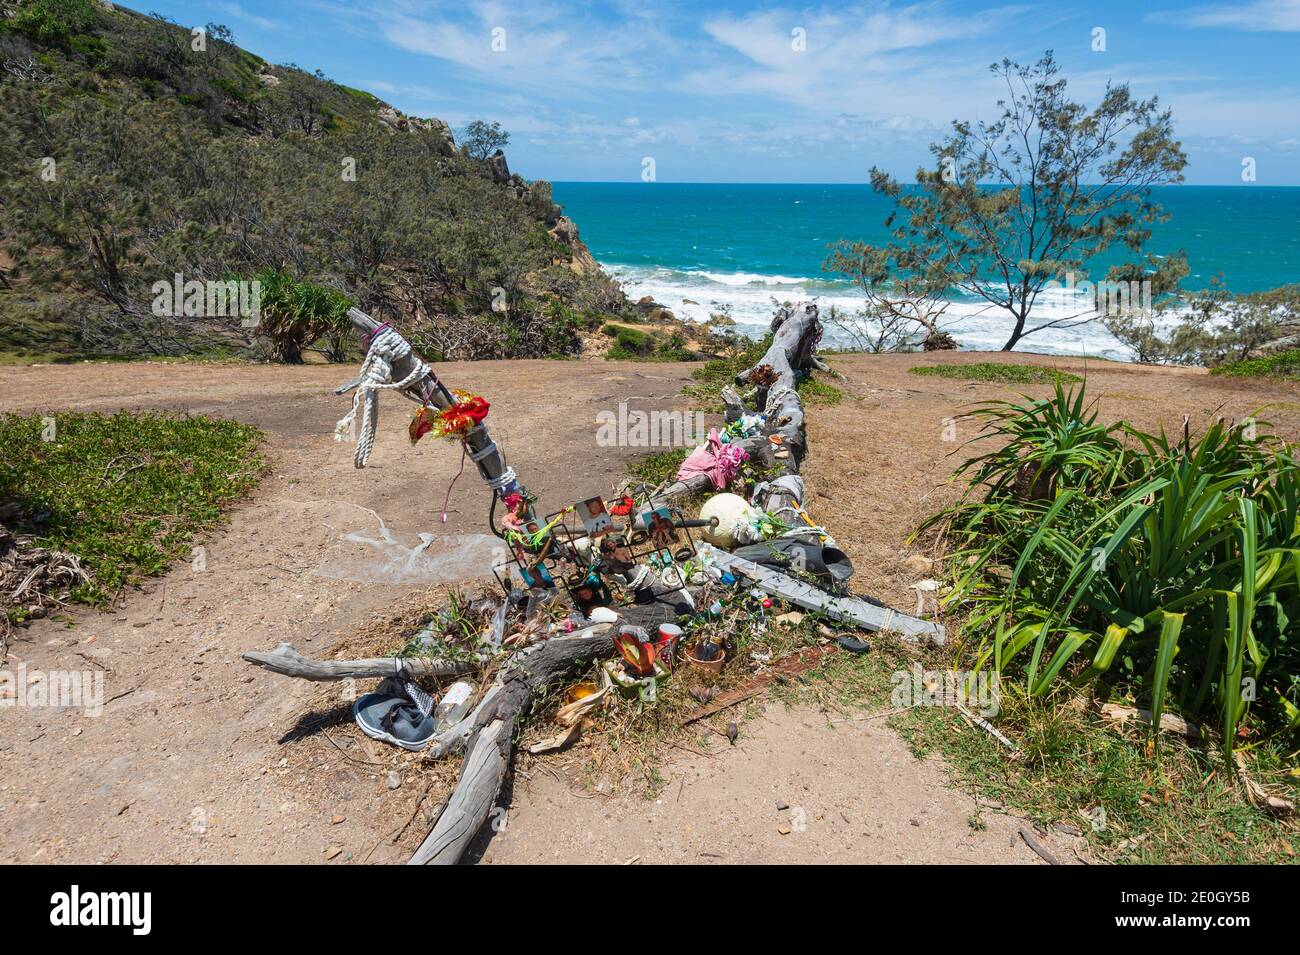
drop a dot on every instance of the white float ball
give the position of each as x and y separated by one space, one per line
735 520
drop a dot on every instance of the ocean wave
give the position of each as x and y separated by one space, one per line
750 299
747 278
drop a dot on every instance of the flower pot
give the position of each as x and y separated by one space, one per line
713 666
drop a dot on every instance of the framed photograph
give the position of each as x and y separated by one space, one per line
595 516
658 523
536 575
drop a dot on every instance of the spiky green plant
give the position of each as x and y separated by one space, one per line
1168 570
295 314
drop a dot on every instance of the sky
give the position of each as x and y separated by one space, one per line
735 92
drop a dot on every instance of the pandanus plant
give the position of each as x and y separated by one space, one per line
1104 554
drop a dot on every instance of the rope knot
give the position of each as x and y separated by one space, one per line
387 348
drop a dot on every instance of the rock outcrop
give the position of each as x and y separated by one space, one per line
500 169
395 121
566 231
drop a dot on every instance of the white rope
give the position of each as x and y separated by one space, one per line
507 478
774 398
386 348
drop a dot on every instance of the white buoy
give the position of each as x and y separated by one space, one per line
735 520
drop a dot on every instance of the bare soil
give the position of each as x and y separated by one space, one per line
199 757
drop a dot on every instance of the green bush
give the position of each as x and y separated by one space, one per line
52 22
1284 364
294 315
1166 570
633 344
634 341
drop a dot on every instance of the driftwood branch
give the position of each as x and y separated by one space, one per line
487 734
855 610
795 333
489 738
287 661
483 451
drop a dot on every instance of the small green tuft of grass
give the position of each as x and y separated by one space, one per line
126 492
815 392
717 373
1285 365
657 467
997 372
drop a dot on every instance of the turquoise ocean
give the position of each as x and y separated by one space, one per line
702 247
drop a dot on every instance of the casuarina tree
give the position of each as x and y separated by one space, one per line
1031 197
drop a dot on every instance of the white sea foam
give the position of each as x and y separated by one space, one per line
745 278
694 295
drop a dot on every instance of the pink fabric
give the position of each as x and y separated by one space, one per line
721 462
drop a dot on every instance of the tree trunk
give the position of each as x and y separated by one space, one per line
796 331
289 351
1018 332
487 734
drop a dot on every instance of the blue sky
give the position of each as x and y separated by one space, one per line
717 92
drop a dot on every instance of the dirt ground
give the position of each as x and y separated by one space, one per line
188 762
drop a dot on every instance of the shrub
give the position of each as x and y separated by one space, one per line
53 22
294 315
1285 364
1212 327
1168 570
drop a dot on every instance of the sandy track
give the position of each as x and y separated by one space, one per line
185 763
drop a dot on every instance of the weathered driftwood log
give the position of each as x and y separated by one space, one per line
287 661
862 613
486 735
796 331
487 457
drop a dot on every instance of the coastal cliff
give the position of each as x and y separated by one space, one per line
153 152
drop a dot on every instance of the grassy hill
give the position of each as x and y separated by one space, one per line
142 150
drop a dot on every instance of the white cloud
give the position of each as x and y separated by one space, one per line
878 58
239 13
1259 16
526 45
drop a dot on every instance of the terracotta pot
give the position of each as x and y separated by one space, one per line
713 666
